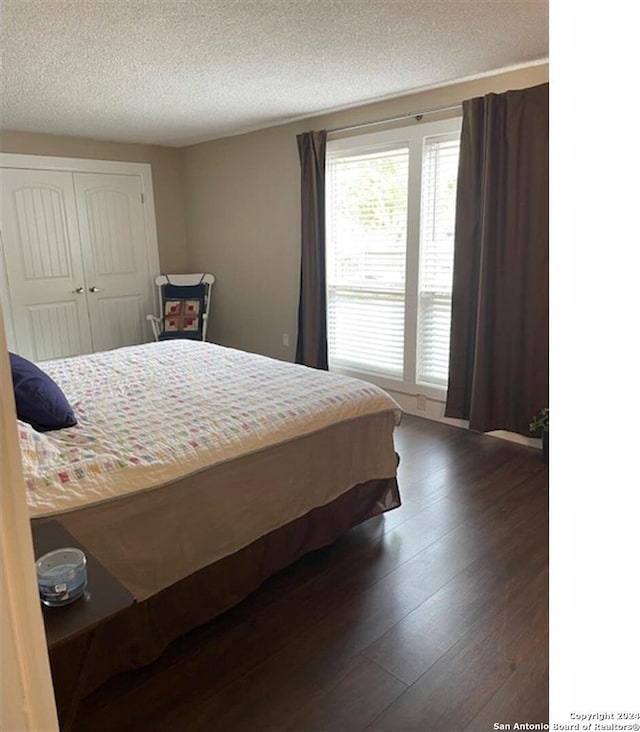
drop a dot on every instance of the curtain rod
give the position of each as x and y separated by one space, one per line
417 115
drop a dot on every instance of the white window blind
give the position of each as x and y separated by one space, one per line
391 199
366 259
439 178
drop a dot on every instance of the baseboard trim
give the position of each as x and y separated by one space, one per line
434 410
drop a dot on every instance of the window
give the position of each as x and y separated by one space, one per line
438 212
390 224
366 260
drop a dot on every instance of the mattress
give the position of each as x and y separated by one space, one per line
186 452
150 414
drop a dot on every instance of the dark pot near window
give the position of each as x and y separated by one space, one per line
545 446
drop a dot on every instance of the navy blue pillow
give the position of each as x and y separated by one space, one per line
39 400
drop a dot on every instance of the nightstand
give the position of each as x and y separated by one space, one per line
104 598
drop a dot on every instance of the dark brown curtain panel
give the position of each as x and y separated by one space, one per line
499 359
311 348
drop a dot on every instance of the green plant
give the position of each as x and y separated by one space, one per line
540 421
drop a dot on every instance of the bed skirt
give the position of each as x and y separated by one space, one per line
138 636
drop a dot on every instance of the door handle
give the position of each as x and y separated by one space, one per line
95 289
79 290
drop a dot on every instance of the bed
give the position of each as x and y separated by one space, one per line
194 473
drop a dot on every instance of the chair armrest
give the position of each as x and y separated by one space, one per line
156 325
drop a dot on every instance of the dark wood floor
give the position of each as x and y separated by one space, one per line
433 618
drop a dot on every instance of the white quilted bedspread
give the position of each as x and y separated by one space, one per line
154 413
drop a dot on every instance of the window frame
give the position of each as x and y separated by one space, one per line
413 137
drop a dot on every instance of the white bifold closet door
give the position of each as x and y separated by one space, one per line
77 271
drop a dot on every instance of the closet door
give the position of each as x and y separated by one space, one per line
43 265
117 274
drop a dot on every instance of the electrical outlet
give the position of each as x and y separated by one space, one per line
285 339
422 403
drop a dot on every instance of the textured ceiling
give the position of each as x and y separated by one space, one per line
175 72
